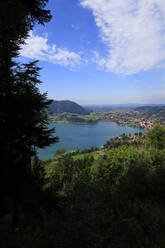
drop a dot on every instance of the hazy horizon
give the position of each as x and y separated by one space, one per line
104 104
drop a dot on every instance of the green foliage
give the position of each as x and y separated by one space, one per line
83 156
23 109
59 107
156 138
59 152
114 200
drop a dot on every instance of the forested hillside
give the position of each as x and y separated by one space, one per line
59 107
110 199
158 111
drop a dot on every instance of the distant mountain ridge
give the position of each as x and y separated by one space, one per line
151 109
128 106
66 106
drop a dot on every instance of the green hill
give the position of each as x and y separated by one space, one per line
66 106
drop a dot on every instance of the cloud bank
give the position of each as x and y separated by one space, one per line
133 31
37 48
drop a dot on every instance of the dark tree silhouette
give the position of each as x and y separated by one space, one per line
23 109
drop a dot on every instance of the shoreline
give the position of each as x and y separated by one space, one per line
95 122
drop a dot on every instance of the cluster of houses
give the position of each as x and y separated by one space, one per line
146 124
132 118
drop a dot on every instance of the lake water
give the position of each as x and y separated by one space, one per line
80 136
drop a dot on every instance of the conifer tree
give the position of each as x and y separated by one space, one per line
23 109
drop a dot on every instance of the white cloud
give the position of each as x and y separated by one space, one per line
133 31
37 48
98 60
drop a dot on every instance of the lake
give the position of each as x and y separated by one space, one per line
80 136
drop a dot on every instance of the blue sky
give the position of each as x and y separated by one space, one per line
101 51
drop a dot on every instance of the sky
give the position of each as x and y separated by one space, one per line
101 51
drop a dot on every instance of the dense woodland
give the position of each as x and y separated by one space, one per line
115 199
59 107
